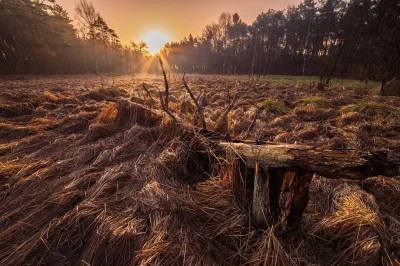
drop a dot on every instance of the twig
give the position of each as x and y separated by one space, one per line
226 115
199 109
165 83
222 122
165 109
252 124
230 106
146 90
228 94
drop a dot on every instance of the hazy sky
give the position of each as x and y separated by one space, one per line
132 19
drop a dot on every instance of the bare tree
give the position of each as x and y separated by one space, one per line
88 16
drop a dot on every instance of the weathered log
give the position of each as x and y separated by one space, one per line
271 181
330 163
282 174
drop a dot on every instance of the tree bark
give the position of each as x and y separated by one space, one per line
261 197
330 163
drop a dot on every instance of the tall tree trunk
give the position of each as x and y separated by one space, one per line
330 74
305 47
95 54
254 54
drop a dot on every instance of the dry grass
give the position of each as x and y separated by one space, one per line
90 178
316 101
273 106
371 109
355 231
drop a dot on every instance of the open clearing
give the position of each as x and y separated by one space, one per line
86 180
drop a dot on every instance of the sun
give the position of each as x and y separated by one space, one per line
155 40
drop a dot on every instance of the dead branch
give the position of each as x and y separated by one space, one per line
252 124
226 114
199 109
228 94
165 109
222 122
230 105
165 84
146 90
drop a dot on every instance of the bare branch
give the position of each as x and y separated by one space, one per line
222 125
165 83
199 109
230 106
252 124
165 109
146 90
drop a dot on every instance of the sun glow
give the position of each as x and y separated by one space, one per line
155 40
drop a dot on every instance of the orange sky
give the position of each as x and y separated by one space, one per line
131 19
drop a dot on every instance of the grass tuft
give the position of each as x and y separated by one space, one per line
273 106
371 109
317 101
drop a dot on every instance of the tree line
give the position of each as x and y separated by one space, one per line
325 38
38 37
348 39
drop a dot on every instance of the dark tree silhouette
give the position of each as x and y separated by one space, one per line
37 37
355 39
325 38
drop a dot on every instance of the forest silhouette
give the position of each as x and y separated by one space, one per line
328 38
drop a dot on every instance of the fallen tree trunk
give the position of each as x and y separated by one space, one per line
271 180
277 176
330 163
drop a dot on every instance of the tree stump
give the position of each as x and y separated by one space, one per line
272 181
261 211
280 197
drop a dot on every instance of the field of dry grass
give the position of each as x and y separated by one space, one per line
87 179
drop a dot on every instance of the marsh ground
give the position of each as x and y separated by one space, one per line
84 181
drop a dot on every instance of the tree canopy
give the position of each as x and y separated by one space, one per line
348 39
38 37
